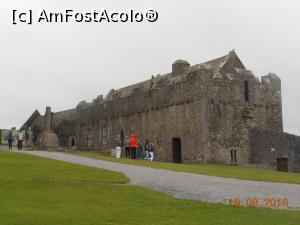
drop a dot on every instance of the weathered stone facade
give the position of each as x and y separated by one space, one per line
48 138
206 113
268 147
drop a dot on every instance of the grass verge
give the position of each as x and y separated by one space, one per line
36 190
237 172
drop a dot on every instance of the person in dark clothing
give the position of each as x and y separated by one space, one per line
132 144
10 140
139 150
146 147
151 152
127 147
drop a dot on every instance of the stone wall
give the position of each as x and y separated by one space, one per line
63 124
164 110
213 107
66 130
203 105
266 147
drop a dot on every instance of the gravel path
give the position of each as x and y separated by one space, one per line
187 185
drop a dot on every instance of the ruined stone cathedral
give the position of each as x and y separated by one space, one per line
213 112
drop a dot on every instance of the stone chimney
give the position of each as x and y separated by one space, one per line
48 119
48 138
180 67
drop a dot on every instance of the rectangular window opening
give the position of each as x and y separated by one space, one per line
104 136
246 87
233 158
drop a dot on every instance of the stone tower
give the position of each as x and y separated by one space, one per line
48 138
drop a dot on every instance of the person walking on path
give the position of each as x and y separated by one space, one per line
151 152
10 139
132 144
146 147
127 147
20 139
118 147
139 150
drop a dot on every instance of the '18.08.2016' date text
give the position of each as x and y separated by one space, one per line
255 202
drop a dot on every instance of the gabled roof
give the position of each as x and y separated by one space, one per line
57 118
216 65
33 116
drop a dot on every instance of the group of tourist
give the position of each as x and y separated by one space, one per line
135 149
11 138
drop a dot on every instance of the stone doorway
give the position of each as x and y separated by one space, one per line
282 164
73 142
176 150
122 136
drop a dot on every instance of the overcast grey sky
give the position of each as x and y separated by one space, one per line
61 64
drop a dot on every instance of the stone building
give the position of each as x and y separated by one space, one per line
4 135
213 112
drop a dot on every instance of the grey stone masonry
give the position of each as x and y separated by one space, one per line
204 113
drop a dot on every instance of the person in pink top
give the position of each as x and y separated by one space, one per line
20 139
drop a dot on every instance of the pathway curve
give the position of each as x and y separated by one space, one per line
187 185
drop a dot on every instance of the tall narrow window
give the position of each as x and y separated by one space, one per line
246 87
104 136
89 137
233 156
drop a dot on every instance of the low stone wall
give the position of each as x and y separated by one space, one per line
267 147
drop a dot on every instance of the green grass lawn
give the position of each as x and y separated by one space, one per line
39 191
237 172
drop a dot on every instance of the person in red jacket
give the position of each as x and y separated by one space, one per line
132 144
